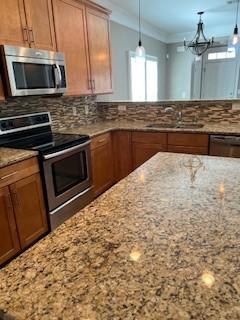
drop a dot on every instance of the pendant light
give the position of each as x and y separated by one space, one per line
235 38
140 50
200 43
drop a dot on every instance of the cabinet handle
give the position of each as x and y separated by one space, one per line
25 34
32 40
101 141
8 176
94 84
8 201
90 84
15 198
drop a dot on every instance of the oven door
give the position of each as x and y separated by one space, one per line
67 173
33 76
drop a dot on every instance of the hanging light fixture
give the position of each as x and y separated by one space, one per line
234 40
140 50
200 43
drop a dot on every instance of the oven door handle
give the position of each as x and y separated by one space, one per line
66 151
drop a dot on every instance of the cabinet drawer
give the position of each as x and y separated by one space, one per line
150 137
188 139
18 171
100 140
190 150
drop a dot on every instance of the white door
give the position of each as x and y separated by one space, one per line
220 73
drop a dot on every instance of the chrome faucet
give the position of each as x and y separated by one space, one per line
178 113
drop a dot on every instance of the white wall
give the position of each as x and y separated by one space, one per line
124 39
179 70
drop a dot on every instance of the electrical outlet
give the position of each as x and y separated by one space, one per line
74 110
236 106
122 108
86 108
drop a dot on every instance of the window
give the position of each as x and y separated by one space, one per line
230 54
143 78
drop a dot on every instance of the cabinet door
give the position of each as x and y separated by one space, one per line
144 151
9 244
29 209
99 51
13 30
70 26
40 24
102 165
122 151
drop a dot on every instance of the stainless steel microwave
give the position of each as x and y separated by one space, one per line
27 71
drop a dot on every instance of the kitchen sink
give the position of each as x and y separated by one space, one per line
176 125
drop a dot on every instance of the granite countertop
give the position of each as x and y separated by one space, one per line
151 247
107 126
10 156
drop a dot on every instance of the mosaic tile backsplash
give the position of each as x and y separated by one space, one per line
65 111
201 111
69 112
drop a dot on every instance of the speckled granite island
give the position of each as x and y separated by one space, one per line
152 247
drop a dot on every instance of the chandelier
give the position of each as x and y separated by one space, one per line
200 43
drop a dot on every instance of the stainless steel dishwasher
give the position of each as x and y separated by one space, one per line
225 146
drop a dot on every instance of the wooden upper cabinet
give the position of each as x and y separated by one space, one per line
98 27
2 96
9 244
40 24
27 198
70 26
13 29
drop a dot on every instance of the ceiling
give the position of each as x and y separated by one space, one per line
175 19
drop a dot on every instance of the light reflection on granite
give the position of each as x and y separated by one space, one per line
10 156
151 247
106 126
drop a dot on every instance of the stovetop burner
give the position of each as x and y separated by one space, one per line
28 132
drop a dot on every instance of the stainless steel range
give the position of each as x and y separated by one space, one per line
64 161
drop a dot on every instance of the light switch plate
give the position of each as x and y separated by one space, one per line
86 108
236 106
74 110
122 108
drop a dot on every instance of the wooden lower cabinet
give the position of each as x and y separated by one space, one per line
192 143
144 151
122 153
145 145
9 242
22 211
102 163
29 209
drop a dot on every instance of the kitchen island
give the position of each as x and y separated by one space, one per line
155 246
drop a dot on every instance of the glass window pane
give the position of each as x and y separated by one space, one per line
138 78
152 80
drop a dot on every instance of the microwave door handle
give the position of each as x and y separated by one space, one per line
59 75
56 75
